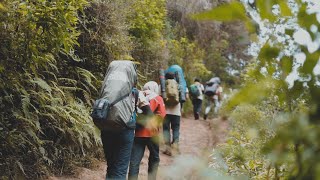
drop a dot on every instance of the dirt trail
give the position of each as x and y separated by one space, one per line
197 138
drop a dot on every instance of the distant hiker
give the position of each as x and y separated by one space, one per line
196 93
213 92
172 119
147 133
114 114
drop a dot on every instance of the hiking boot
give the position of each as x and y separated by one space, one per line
167 151
196 116
175 149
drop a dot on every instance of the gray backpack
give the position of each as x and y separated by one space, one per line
114 110
212 86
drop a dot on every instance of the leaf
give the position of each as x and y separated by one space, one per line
49 161
20 167
227 12
252 93
42 151
2 7
1 68
310 63
306 20
268 52
265 8
287 65
285 10
43 84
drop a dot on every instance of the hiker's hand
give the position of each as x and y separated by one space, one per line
153 123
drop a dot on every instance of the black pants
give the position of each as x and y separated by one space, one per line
197 103
171 122
139 145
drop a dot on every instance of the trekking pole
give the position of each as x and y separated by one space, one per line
162 84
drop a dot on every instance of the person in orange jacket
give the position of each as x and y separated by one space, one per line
147 133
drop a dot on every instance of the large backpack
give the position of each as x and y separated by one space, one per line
179 77
194 90
115 108
211 89
172 92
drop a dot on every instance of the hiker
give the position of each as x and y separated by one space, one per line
196 93
213 92
179 77
147 134
114 114
172 119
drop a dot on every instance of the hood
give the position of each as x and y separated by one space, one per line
151 90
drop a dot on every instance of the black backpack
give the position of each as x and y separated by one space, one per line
211 89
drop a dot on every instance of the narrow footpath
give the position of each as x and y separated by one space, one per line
197 139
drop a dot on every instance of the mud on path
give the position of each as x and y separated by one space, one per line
197 139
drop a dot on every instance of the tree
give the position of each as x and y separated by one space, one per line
291 150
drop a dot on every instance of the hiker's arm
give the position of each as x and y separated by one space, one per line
187 93
202 88
219 93
143 104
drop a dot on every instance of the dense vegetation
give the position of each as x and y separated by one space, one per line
275 115
53 56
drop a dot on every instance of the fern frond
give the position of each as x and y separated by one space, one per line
26 121
87 74
68 80
56 88
20 167
55 78
41 83
67 88
25 101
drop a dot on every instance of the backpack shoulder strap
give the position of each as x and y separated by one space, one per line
119 99
135 93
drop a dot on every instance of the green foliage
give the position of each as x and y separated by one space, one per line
147 21
147 24
265 8
53 56
227 12
241 150
222 44
104 35
288 130
189 56
218 63
45 124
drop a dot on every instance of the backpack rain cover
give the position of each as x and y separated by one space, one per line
120 79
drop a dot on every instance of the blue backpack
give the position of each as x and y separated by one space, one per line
179 77
194 90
